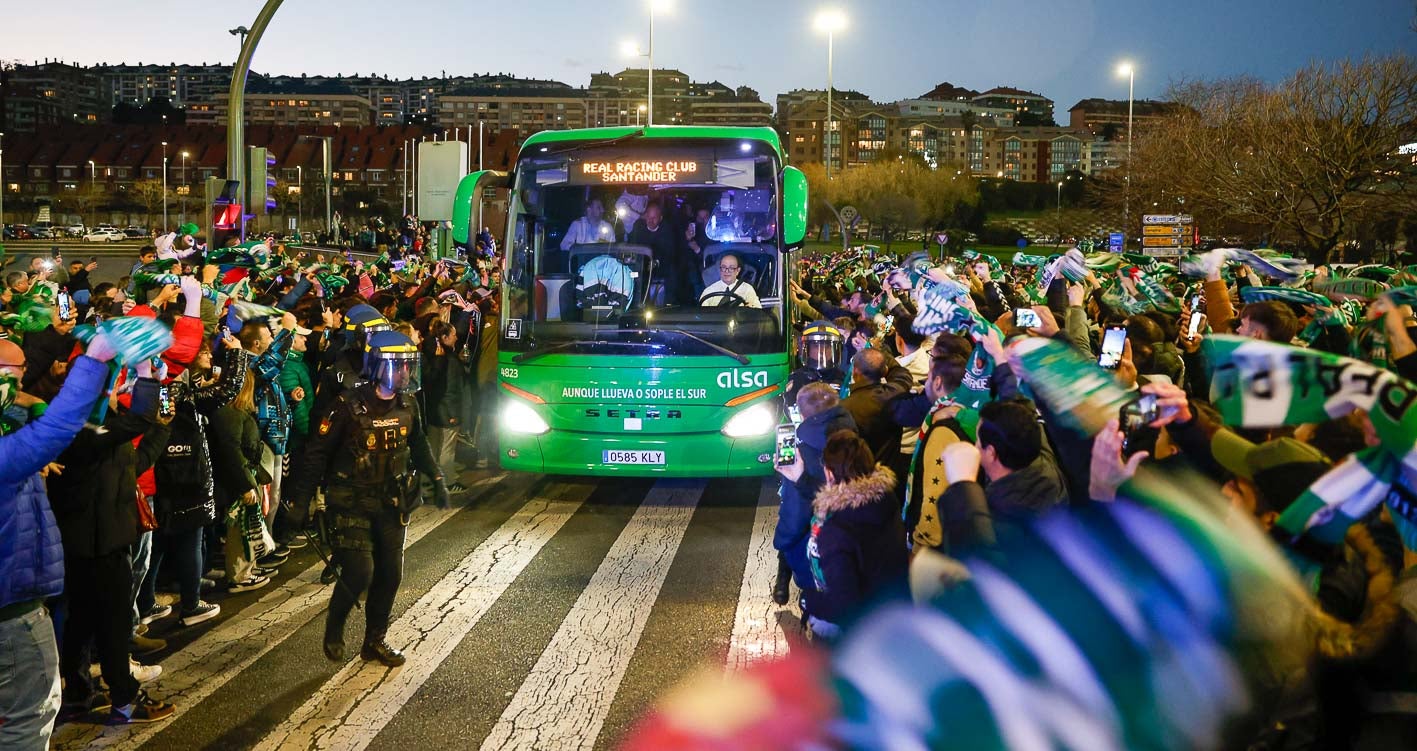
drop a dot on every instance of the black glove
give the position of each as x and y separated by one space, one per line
440 494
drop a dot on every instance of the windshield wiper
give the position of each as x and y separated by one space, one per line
726 352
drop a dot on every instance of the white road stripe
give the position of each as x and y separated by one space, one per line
565 699
197 671
350 709
758 633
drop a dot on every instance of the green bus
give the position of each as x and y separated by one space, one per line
608 363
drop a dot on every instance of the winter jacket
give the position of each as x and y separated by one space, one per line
1023 494
867 405
272 409
236 454
31 548
444 388
296 375
857 546
94 498
794 516
184 499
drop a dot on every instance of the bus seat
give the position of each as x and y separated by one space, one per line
549 297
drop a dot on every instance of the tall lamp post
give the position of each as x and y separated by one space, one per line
164 187
1126 69
184 188
830 21
2 187
633 50
93 178
1058 213
300 200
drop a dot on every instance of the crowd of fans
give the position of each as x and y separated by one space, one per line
952 413
149 425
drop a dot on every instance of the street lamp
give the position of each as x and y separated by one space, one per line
185 189
164 185
830 21
2 187
93 176
1126 69
300 202
1058 213
630 49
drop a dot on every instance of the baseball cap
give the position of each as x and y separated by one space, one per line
1247 459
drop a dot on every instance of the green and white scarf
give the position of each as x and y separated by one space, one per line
1264 385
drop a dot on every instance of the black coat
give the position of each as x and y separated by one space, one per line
445 388
95 496
236 454
859 552
868 406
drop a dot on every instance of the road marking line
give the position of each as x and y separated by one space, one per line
565 699
195 672
758 634
350 709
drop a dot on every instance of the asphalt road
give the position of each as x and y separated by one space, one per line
541 613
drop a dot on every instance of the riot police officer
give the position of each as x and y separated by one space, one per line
345 356
365 449
819 351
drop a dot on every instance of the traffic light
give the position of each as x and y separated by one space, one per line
224 198
261 179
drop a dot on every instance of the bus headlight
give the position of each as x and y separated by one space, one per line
519 417
758 419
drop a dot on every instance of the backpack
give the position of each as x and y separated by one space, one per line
183 474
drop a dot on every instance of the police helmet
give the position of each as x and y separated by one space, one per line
391 362
365 318
820 346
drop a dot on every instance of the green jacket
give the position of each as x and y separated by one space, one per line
292 375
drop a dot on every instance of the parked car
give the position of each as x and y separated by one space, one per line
105 235
21 232
75 230
135 232
42 233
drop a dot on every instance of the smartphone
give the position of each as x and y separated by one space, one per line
216 371
1193 329
225 331
165 406
1134 420
65 304
786 445
55 252
1027 318
93 259
1113 341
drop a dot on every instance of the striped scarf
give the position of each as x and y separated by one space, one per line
1264 385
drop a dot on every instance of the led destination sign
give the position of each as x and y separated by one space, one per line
660 168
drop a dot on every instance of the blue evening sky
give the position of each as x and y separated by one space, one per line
893 49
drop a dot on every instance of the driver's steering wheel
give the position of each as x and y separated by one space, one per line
733 301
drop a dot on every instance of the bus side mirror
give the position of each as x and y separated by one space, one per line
794 207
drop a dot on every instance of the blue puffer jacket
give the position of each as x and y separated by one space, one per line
794 516
31 549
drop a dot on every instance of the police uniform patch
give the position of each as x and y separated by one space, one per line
325 426
371 442
403 430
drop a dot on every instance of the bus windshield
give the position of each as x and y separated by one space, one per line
645 246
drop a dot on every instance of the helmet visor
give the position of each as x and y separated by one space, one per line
821 352
399 374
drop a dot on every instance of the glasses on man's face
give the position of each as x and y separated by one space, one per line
727 268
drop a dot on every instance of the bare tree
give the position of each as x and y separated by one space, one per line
1306 159
149 194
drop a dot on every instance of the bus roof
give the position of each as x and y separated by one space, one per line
727 133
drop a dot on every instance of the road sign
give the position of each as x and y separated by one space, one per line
941 238
849 214
1161 252
1164 242
1162 230
1167 219
1022 243
1116 241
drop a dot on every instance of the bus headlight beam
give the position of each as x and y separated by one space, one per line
519 417
756 420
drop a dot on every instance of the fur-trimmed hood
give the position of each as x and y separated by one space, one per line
858 493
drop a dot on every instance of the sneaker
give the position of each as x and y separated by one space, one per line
266 572
457 488
73 710
142 645
297 542
254 582
143 709
157 612
143 673
273 559
204 611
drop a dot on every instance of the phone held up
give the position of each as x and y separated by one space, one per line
1134 420
165 406
1027 318
1114 339
786 452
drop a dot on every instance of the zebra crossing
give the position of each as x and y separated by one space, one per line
547 613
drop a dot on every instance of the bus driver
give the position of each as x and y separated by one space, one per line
589 228
729 290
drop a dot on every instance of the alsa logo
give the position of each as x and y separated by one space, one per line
647 414
742 379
